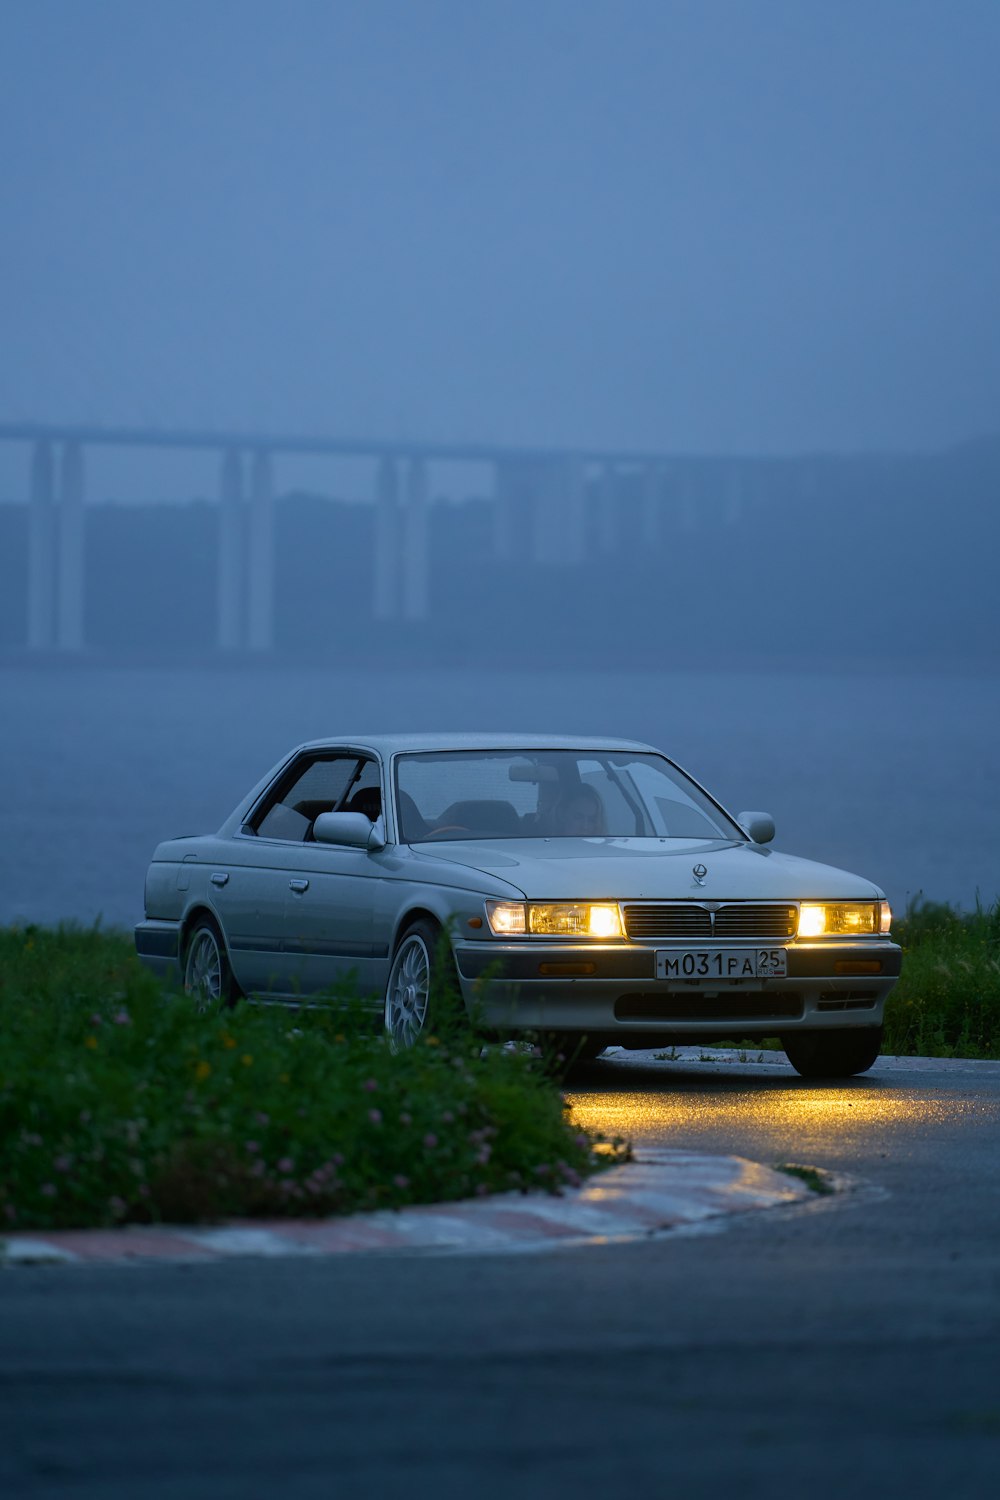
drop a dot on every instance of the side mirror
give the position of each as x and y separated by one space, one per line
352 829
758 825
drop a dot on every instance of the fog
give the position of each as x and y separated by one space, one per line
686 226
728 270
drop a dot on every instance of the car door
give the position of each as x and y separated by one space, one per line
270 865
330 904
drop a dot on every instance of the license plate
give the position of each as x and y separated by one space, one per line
721 963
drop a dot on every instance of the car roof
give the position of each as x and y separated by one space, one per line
396 744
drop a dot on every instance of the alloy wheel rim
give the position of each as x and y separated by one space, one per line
203 971
407 994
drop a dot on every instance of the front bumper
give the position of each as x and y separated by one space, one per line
610 990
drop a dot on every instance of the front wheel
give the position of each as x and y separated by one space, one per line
833 1054
422 988
208 979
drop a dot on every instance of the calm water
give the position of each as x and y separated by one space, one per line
895 778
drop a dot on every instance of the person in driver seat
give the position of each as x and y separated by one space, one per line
580 814
368 801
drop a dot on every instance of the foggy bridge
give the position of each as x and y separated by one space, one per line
538 501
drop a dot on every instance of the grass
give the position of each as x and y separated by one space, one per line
119 1103
947 1002
816 1180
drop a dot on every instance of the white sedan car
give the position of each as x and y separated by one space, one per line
586 889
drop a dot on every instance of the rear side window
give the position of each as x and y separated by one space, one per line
311 786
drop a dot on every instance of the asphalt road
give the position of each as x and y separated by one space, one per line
850 1347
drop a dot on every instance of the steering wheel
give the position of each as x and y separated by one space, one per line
438 833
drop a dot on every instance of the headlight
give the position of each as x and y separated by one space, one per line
587 919
843 918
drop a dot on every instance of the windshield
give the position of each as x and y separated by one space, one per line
511 794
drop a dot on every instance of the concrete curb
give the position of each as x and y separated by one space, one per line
665 1190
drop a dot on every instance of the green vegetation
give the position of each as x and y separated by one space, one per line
815 1179
947 1002
119 1102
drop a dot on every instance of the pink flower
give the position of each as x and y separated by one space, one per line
430 1140
401 1181
123 1018
369 1085
375 1115
286 1164
252 1147
337 1159
48 1190
447 1116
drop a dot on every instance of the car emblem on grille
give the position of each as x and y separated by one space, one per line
699 872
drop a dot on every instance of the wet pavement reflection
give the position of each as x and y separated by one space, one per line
767 1112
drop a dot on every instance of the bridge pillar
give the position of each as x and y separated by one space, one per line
607 511
649 506
503 519
231 575
41 551
260 555
557 536
385 600
70 512
415 542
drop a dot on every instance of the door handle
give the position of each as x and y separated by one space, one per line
219 878
299 886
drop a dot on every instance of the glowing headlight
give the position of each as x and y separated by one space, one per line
588 919
843 918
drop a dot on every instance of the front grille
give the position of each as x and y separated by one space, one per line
734 919
662 1005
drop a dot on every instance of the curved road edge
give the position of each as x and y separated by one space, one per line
662 1190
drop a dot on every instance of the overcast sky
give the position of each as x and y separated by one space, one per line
716 226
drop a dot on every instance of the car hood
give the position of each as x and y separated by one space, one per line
651 870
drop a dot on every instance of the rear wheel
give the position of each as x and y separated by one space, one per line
833 1054
208 979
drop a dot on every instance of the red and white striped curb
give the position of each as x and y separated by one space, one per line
665 1190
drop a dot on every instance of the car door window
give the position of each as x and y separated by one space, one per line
314 785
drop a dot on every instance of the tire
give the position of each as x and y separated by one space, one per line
422 992
208 979
833 1054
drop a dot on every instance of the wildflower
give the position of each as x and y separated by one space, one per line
247 1060
337 1159
432 1041
260 1116
583 1141
375 1115
447 1116
202 1070
430 1140
91 1042
252 1147
48 1189
369 1085
406 1118
229 1042
286 1165
122 1018
340 1037
400 1181
96 1020
63 1163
